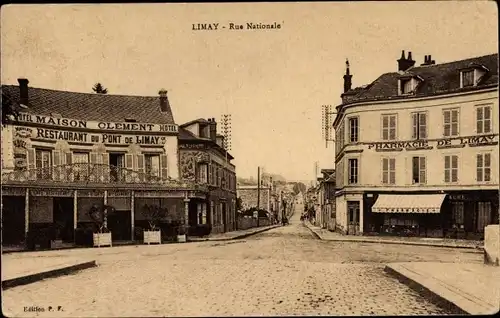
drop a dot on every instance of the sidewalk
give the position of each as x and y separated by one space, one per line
326 235
29 270
234 234
462 288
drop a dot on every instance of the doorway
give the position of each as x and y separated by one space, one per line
63 219
224 213
13 220
119 224
352 217
116 162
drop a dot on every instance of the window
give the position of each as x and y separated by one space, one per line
483 119
152 164
43 162
457 213
451 168
353 171
419 121
483 215
388 171
406 86
389 127
450 122
468 78
202 173
353 129
483 167
419 170
81 165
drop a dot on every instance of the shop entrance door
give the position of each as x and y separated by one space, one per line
63 219
352 217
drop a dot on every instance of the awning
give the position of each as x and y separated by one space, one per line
408 203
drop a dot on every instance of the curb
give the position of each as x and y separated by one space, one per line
253 233
316 235
480 249
31 278
423 291
232 238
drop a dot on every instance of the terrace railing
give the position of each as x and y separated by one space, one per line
90 173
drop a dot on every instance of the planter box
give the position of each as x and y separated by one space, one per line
181 238
102 239
152 237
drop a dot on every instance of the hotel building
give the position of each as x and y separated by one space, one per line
68 152
417 150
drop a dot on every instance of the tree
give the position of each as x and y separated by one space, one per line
154 215
239 204
9 111
99 89
299 187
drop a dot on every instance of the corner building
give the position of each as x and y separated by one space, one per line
70 151
417 150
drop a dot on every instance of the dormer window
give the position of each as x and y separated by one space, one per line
468 78
408 85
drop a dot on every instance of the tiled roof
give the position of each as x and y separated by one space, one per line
437 79
94 107
185 134
199 120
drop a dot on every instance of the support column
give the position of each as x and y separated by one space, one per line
105 223
186 210
132 213
26 214
75 209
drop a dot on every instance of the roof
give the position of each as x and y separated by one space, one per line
93 107
186 135
199 120
437 79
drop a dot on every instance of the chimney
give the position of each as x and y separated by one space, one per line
164 103
405 63
347 77
213 129
428 60
23 91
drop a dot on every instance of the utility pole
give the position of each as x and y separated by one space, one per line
258 194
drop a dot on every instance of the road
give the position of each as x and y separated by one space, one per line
284 271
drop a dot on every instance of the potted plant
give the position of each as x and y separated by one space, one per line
181 233
154 214
101 236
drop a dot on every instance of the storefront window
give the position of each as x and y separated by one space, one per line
457 213
483 215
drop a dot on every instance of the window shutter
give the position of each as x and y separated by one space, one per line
479 166
423 126
140 168
446 123
454 122
385 168
479 120
129 164
392 129
94 166
68 160
446 168
422 170
392 171
164 166
30 154
415 126
454 168
56 160
487 169
105 167
487 120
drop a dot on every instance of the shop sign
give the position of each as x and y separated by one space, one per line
472 141
119 193
13 191
457 197
84 137
51 192
97 125
192 146
158 194
90 193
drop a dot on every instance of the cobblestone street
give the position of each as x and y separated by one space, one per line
284 271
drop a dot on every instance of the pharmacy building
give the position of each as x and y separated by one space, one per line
68 152
417 150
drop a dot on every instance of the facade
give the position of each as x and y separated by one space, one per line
417 150
249 195
69 152
204 160
326 197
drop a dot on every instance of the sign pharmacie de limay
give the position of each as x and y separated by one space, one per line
456 142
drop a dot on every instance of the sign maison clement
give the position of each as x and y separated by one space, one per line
472 141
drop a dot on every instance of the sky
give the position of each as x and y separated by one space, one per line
272 82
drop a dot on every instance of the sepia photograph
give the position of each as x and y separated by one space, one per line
330 158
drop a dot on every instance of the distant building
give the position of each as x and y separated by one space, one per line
417 150
204 160
326 199
249 196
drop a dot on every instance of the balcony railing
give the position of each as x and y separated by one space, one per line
89 173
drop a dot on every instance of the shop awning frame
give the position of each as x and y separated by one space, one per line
408 203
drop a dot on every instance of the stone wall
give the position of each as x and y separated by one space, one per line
248 223
491 244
